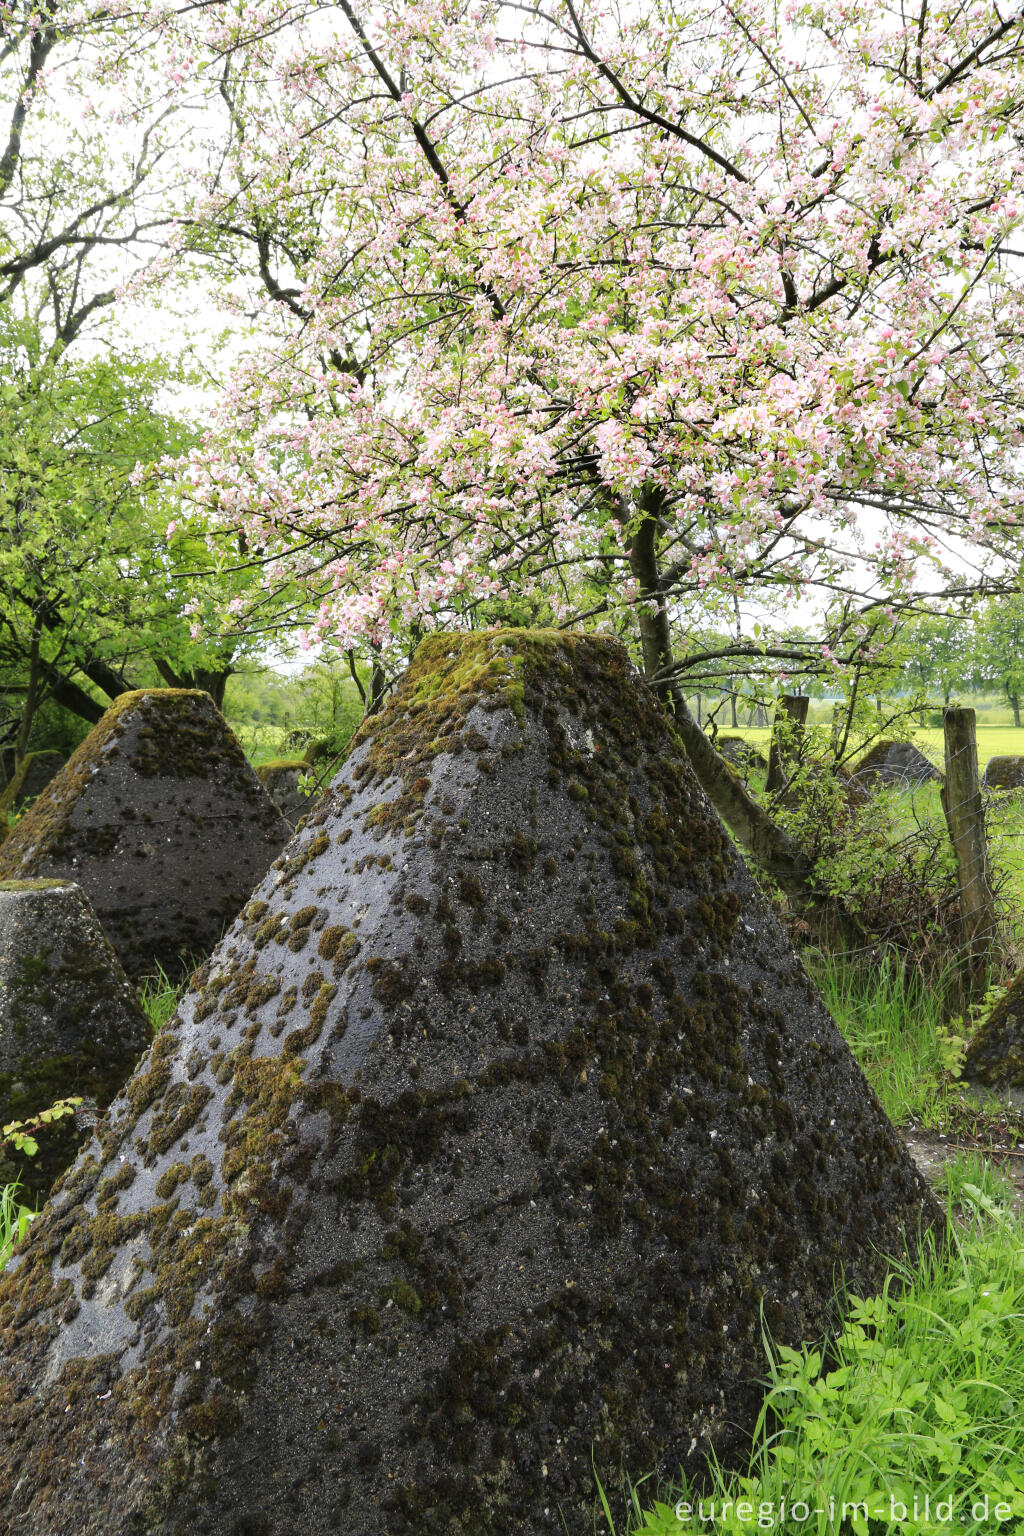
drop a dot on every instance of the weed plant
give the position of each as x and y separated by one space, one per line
972 1186
159 997
14 1220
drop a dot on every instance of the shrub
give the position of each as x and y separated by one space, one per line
885 858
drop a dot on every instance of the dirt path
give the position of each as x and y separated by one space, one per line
931 1151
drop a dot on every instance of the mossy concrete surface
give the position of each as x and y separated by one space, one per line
70 1023
995 1053
477 1157
29 780
161 820
280 778
1004 773
894 762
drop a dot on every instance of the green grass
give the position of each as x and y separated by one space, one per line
974 1187
920 805
993 741
14 1220
892 1020
1005 825
919 1395
159 997
1004 820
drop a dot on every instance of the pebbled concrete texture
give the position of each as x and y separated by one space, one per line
1006 773
894 762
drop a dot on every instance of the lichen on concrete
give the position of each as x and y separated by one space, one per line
161 820
479 1153
280 778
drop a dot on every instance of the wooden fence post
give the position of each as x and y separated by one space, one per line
787 730
965 817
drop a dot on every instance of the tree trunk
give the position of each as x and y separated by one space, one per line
965 817
735 716
351 656
772 847
205 679
1015 706
378 685
31 697
70 696
213 683
787 735
93 667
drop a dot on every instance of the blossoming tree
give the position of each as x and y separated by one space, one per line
636 310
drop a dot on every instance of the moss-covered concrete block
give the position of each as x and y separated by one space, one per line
743 755
1006 773
29 780
995 1052
477 1155
161 820
280 778
894 762
70 1023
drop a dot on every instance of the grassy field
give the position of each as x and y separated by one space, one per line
993 741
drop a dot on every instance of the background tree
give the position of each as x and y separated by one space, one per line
94 146
92 166
547 289
633 314
938 651
92 600
999 648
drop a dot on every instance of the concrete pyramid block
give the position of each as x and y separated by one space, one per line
743 755
280 779
160 819
995 1052
30 779
483 1146
1004 773
70 1023
895 762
